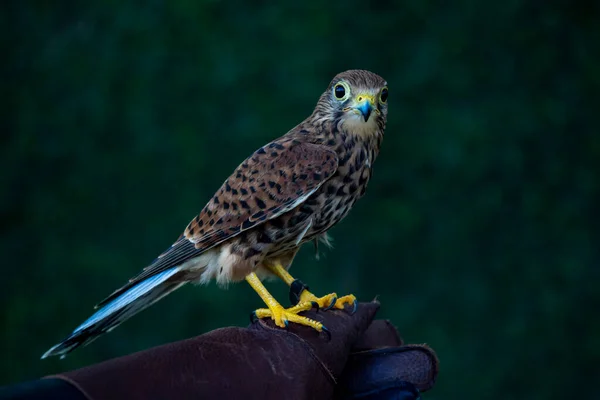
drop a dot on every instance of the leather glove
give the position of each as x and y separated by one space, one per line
362 358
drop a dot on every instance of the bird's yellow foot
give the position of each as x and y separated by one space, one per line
347 299
329 301
281 316
326 302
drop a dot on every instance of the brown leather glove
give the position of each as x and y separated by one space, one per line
361 359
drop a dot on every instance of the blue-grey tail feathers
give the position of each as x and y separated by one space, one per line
134 300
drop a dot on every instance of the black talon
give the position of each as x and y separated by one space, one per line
315 305
296 289
355 307
253 317
324 329
329 307
285 321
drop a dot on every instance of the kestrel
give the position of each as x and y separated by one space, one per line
288 192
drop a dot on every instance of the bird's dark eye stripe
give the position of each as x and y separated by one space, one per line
339 91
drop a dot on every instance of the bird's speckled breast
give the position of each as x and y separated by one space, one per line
334 199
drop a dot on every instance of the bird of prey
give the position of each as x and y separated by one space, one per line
288 192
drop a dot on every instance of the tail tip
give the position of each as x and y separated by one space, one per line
48 353
58 350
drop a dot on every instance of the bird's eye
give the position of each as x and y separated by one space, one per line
341 91
384 95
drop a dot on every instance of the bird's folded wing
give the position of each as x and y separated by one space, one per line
277 178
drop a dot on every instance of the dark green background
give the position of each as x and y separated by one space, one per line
479 229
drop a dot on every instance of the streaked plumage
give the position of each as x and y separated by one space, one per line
288 192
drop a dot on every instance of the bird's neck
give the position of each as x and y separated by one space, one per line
335 135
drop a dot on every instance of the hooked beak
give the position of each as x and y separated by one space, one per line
365 105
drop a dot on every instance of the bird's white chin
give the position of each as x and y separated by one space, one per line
355 124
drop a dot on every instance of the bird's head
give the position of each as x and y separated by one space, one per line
357 101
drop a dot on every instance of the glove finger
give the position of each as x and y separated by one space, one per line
372 370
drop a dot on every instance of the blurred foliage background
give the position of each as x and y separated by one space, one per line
479 229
